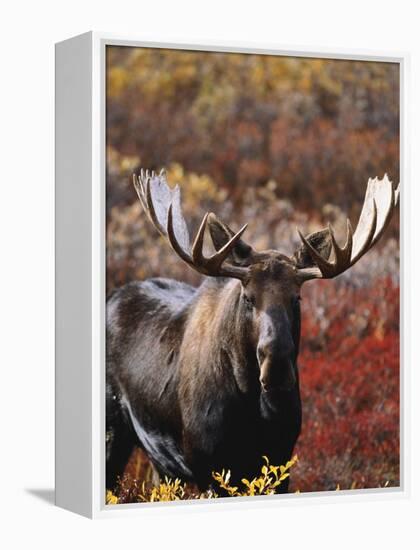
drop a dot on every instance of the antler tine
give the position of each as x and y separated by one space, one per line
162 214
342 255
214 262
212 265
367 242
393 202
221 255
324 266
174 241
140 183
197 247
380 202
151 207
397 196
138 186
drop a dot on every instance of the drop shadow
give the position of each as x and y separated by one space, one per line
47 495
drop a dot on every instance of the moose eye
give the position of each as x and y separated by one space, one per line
249 301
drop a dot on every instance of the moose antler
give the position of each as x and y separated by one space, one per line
163 207
380 201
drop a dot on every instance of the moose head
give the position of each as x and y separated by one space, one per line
270 280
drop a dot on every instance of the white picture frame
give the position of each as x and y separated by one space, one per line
80 277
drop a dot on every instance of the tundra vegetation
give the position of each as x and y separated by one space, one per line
278 143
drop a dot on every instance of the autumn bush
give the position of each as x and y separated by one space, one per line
320 127
349 368
130 489
278 143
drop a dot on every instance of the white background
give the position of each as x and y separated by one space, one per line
28 33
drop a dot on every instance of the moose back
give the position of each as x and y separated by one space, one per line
205 379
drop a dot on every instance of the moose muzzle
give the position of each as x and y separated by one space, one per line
276 352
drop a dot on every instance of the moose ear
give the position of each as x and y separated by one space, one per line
220 234
321 241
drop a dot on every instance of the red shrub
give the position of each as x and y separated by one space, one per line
349 365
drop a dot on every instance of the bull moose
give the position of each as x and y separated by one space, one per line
206 378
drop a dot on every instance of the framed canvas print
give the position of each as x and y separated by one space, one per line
228 326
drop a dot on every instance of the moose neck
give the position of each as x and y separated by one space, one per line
220 327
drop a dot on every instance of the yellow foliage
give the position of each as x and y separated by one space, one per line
111 498
194 186
165 492
266 484
118 80
173 489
